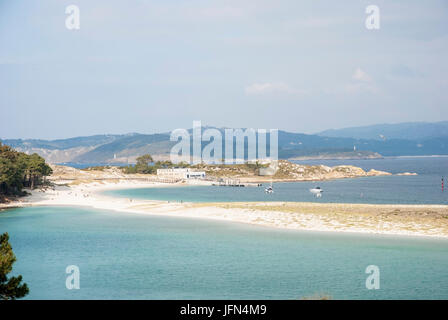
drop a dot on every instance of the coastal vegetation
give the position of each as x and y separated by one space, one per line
146 165
247 169
19 170
96 168
12 288
281 171
143 165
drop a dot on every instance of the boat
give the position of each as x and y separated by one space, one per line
269 189
317 191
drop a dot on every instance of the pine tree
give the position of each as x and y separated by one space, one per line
10 289
142 165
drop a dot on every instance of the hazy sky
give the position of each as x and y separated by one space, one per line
151 66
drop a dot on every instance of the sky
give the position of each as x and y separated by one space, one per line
154 66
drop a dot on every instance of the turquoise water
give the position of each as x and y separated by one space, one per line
384 190
130 256
425 188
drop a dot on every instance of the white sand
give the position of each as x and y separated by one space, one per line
89 194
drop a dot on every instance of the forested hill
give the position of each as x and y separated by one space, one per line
126 148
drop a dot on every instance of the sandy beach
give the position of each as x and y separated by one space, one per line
410 220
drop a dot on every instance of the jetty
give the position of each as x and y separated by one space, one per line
234 183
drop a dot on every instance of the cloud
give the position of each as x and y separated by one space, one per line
361 82
269 88
361 75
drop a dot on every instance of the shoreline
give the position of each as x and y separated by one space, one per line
385 219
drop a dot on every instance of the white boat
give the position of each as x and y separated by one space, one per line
269 189
317 191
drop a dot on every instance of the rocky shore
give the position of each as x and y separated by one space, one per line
284 171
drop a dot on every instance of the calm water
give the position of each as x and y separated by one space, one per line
122 255
425 188
436 166
129 256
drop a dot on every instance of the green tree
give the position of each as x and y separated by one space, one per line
145 159
17 169
36 169
143 162
164 164
10 172
10 289
10 177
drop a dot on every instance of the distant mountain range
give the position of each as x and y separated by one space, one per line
405 139
417 131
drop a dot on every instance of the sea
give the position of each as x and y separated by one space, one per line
423 188
133 256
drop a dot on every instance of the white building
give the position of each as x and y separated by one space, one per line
180 173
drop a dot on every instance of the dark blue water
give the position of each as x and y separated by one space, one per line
425 188
129 256
434 166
